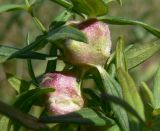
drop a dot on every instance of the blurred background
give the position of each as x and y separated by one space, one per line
14 27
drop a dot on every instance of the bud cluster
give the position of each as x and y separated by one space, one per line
67 95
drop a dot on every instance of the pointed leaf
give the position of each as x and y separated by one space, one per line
138 53
130 92
124 21
6 52
12 7
120 59
147 93
112 88
156 89
63 3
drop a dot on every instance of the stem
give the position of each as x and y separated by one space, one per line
30 67
36 20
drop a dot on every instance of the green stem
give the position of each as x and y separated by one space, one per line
38 23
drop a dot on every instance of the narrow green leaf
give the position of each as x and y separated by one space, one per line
91 8
66 32
26 120
130 92
12 7
85 116
156 89
18 84
63 3
120 59
147 93
124 21
122 103
6 53
108 1
114 128
113 88
61 19
138 53
53 35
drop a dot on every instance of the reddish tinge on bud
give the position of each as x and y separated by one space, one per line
67 95
96 51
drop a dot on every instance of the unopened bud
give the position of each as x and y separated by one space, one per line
96 51
67 96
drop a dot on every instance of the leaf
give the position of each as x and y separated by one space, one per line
130 92
64 32
138 53
156 89
63 3
61 19
12 7
108 1
85 116
120 59
91 8
124 21
6 53
4 121
18 84
147 93
114 128
123 104
25 100
26 120
112 88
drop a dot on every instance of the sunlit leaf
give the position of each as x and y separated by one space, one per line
120 59
156 89
12 7
147 93
18 84
130 92
140 52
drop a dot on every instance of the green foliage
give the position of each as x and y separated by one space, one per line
12 7
115 103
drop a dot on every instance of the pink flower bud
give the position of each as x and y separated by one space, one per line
67 95
96 51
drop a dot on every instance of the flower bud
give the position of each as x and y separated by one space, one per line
96 51
67 96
